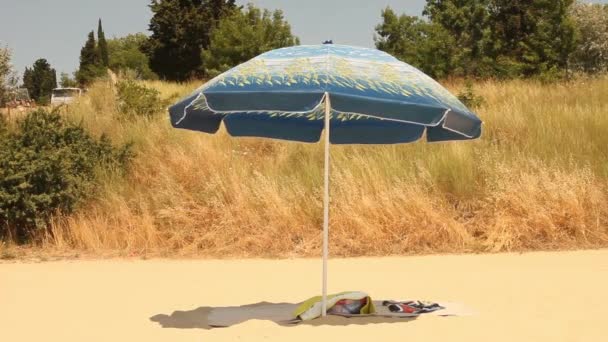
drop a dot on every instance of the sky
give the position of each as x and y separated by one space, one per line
57 29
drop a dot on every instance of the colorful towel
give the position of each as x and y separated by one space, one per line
343 303
283 313
412 306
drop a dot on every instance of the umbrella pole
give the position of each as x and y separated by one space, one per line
326 206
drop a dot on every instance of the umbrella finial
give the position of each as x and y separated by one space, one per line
328 42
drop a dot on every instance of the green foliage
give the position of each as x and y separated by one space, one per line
468 23
420 43
102 45
48 166
3 129
91 66
532 37
483 38
67 82
469 97
40 81
126 55
28 80
591 23
243 35
181 30
89 54
137 100
94 57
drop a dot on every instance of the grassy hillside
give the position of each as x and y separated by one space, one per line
538 179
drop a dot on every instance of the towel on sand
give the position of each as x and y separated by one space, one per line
359 304
343 303
283 313
412 306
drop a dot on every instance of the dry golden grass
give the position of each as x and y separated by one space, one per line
538 179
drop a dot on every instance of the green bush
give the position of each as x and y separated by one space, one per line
469 98
137 100
126 56
551 75
3 130
48 166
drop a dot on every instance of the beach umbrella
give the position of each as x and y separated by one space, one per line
355 95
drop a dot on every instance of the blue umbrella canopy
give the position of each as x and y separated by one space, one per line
375 99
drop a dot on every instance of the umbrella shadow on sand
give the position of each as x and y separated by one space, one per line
206 317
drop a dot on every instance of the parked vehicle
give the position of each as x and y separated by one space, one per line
61 96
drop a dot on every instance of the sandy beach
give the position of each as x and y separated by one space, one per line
545 296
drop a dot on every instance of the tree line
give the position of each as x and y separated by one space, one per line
550 39
198 38
189 39
499 38
194 39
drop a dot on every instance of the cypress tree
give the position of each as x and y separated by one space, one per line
53 79
88 53
103 46
90 61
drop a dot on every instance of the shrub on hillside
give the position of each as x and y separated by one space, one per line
135 99
48 166
469 98
3 129
125 54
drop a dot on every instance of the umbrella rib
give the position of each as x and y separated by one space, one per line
188 106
